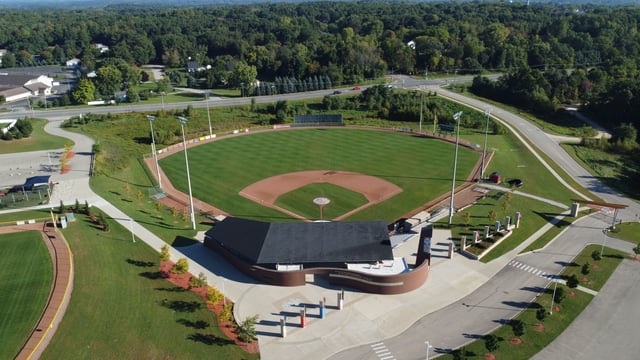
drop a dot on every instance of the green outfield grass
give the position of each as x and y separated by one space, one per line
25 283
221 169
300 201
122 309
39 140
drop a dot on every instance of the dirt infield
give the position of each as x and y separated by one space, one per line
267 191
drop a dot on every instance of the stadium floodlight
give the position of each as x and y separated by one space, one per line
153 148
456 117
186 160
487 112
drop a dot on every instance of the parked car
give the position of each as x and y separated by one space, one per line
515 183
356 88
337 92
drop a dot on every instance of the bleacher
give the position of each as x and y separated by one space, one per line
318 120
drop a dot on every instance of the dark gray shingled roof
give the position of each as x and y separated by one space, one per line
303 242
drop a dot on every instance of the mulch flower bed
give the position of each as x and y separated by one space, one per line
516 341
571 293
539 326
182 280
489 356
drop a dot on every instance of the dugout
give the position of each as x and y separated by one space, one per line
318 120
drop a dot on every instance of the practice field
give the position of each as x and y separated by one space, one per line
25 282
219 170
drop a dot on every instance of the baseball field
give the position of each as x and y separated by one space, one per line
255 175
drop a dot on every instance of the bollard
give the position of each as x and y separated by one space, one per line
463 242
321 309
303 319
486 232
476 236
283 328
340 301
451 250
518 217
507 223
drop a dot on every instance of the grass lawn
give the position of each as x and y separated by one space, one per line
122 309
25 282
543 240
629 231
534 215
39 140
300 201
618 171
420 166
599 270
514 161
536 338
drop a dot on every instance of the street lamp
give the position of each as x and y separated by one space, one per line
553 297
153 148
186 160
456 117
604 239
209 115
421 103
428 347
487 112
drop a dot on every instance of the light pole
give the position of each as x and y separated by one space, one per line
186 160
208 114
421 103
133 236
153 148
456 117
428 347
487 112
604 239
555 285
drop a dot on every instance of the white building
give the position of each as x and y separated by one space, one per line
18 87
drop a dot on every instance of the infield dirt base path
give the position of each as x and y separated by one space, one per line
267 191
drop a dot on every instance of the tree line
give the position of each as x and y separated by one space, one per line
566 53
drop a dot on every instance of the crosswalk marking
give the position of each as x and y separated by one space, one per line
382 352
537 272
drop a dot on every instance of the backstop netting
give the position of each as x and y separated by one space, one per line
318 120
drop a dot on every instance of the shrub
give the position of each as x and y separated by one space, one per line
247 329
103 221
226 314
164 253
199 281
518 327
181 266
559 295
595 255
585 269
491 342
541 313
214 296
572 281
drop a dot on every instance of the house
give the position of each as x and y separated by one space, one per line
19 87
103 48
73 63
192 66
